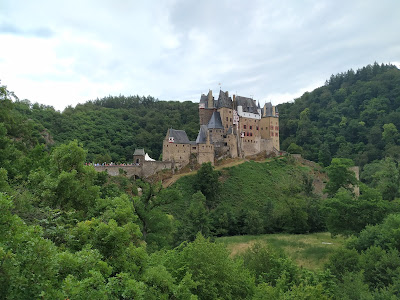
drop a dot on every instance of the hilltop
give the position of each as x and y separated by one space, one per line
356 115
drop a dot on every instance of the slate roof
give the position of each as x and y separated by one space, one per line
202 136
139 151
247 104
215 121
180 136
204 99
224 100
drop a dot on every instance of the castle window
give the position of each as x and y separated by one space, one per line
251 127
194 148
257 127
244 126
226 118
251 134
230 119
226 125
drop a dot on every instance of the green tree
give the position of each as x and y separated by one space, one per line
295 149
340 176
390 134
206 181
156 226
213 272
348 215
197 219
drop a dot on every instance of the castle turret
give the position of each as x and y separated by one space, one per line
210 99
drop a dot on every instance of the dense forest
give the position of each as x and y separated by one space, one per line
69 232
111 128
354 115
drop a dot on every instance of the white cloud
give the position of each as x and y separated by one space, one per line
62 53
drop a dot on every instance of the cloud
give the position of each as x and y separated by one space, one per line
177 49
40 32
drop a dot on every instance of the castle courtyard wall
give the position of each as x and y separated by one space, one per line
205 153
178 153
148 168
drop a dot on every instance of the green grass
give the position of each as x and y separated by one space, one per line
309 251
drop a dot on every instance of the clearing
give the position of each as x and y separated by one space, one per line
309 251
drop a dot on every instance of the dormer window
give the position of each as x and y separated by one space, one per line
171 139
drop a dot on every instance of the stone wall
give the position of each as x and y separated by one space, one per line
205 115
143 171
178 153
205 153
266 145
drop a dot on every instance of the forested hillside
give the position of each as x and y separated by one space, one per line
111 128
354 115
68 232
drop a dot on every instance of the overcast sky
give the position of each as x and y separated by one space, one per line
62 53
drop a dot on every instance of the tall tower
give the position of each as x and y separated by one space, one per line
210 99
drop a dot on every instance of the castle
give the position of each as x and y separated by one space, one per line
229 127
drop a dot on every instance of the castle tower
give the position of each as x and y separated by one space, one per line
139 157
225 109
210 99
269 124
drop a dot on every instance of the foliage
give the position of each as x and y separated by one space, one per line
384 175
210 267
206 181
340 176
354 115
112 127
348 215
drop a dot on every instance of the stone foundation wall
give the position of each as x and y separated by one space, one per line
147 169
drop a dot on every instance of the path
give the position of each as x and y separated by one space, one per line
175 177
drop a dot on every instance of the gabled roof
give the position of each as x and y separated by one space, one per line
139 151
215 121
180 136
224 100
202 136
247 104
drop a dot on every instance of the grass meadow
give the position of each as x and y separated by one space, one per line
309 251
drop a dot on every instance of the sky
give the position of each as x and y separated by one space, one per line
62 53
